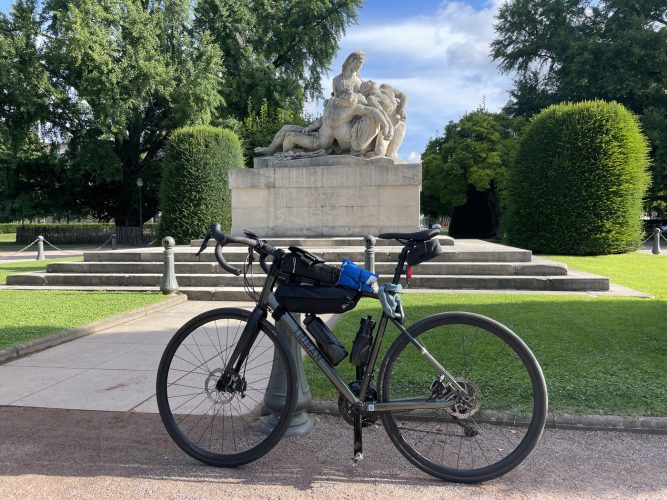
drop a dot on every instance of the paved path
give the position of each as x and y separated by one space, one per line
50 453
78 421
113 370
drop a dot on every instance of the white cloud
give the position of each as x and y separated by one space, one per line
441 62
413 157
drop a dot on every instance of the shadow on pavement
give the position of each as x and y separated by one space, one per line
40 443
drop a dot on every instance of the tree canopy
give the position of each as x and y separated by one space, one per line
472 156
573 50
105 82
274 51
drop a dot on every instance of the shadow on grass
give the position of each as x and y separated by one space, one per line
20 334
599 355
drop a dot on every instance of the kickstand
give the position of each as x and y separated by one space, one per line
358 449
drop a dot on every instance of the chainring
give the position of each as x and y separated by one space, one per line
345 409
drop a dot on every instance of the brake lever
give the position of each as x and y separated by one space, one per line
204 245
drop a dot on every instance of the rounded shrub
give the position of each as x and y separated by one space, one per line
578 181
195 181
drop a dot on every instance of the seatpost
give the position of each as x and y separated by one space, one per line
399 265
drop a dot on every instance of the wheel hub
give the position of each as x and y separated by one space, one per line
465 405
216 391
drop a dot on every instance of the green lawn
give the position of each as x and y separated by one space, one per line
7 241
605 355
31 314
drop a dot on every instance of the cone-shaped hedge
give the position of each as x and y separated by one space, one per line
578 181
195 181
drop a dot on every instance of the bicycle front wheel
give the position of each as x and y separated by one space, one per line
482 435
225 425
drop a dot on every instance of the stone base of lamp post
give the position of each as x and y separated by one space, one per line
275 393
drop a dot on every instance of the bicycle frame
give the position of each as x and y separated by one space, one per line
267 298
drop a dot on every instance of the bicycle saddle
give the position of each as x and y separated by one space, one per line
424 235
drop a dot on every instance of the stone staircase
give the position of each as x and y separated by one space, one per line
464 264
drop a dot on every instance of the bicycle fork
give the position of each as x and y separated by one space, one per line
230 381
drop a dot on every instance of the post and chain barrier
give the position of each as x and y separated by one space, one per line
24 248
168 284
369 253
60 249
656 236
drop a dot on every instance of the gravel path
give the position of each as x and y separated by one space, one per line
53 453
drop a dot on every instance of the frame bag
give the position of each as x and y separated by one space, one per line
301 266
316 299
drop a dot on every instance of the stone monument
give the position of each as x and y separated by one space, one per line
338 176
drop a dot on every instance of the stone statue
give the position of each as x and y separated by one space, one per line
360 119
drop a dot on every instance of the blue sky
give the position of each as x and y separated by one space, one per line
436 51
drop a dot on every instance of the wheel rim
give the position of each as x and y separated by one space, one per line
505 411
218 424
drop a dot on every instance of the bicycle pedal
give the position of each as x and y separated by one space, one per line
358 457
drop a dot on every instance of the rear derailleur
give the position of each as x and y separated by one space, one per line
465 405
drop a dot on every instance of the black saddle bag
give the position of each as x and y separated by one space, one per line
424 251
316 299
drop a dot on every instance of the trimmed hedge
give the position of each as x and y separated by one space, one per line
8 227
83 233
195 181
578 181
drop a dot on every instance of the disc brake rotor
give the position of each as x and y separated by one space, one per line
213 394
464 406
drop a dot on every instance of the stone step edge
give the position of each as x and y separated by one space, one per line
333 241
210 292
646 425
449 257
425 265
573 275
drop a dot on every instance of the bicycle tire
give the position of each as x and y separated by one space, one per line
186 386
508 405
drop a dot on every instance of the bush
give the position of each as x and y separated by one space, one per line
578 181
195 181
8 227
91 233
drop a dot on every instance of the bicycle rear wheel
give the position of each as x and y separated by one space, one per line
482 437
219 426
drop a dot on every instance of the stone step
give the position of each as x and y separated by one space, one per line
495 253
327 242
535 268
571 282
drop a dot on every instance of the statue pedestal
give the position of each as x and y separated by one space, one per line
325 196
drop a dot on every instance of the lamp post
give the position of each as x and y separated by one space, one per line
140 184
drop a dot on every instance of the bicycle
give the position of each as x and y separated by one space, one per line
460 395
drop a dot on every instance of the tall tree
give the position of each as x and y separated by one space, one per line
24 90
274 50
127 73
470 160
110 79
573 50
